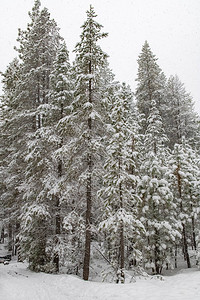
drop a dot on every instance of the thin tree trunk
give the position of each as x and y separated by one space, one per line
2 235
185 245
56 258
175 259
122 247
10 236
17 244
157 254
122 250
122 254
193 234
86 263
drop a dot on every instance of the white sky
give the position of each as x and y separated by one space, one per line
172 28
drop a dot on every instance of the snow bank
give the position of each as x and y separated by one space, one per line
18 283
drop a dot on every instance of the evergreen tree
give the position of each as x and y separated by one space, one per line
181 120
11 147
150 83
157 199
86 121
61 95
38 46
185 167
120 216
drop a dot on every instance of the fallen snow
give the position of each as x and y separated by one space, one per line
18 283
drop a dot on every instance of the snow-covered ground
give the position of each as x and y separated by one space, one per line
18 283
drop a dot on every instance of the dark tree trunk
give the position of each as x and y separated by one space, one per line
58 217
16 246
122 254
2 235
157 254
56 258
10 237
122 249
86 263
175 259
193 234
185 245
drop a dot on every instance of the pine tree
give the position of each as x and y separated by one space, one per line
157 199
60 98
120 221
86 121
185 166
11 160
150 83
37 50
181 120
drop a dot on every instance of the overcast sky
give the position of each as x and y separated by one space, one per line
172 28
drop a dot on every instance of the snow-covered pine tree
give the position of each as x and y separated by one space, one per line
60 99
180 118
185 166
87 122
150 83
74 223
157 199
38 46
37 49
120 217
11 148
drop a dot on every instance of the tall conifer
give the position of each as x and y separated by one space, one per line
87 120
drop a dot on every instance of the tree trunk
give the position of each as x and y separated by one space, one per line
56 259
86 263
121 228
157 254
10 236
193 234
2 235
58 218
185 247
122 247
122 252
175 259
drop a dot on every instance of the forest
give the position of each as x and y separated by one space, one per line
87 165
